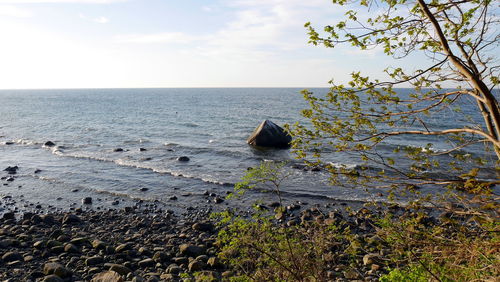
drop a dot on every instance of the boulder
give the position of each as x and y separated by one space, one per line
269 134
49 144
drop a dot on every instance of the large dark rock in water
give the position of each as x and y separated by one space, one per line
269 134
49 144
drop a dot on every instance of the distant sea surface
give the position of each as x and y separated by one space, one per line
210 126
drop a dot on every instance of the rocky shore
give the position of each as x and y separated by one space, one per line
118 245
140 244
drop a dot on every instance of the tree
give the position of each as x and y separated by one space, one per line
459 39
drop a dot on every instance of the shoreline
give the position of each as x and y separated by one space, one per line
140 243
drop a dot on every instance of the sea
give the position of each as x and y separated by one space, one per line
153 128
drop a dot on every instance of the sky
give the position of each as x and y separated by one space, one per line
171 43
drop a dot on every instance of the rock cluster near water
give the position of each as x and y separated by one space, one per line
117 244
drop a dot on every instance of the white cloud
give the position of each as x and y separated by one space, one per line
165 37
13 11
101 20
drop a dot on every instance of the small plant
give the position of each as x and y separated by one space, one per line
263 249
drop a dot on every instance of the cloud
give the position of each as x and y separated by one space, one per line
101 20
60 1
13 11
164 37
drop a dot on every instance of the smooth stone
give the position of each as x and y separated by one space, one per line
70 248
79 240
123 247
191 250
98 244
71 218
203 226
146 263
95 260
107 276
57 269
120 269
196 265
12 256
160 257
180 260
173 269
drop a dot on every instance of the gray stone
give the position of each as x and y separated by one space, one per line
56 269
12 256
120 269
70 248
160 257
191 250
123 247
146 263
107 276
269 134
70 218
196 265
203 226
91 261
173 269
98 244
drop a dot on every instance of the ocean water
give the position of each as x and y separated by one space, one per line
210 126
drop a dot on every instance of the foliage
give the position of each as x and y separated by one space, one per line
458 39
262 249
463 245
451 250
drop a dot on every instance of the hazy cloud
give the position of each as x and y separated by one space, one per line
164 37
13 11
